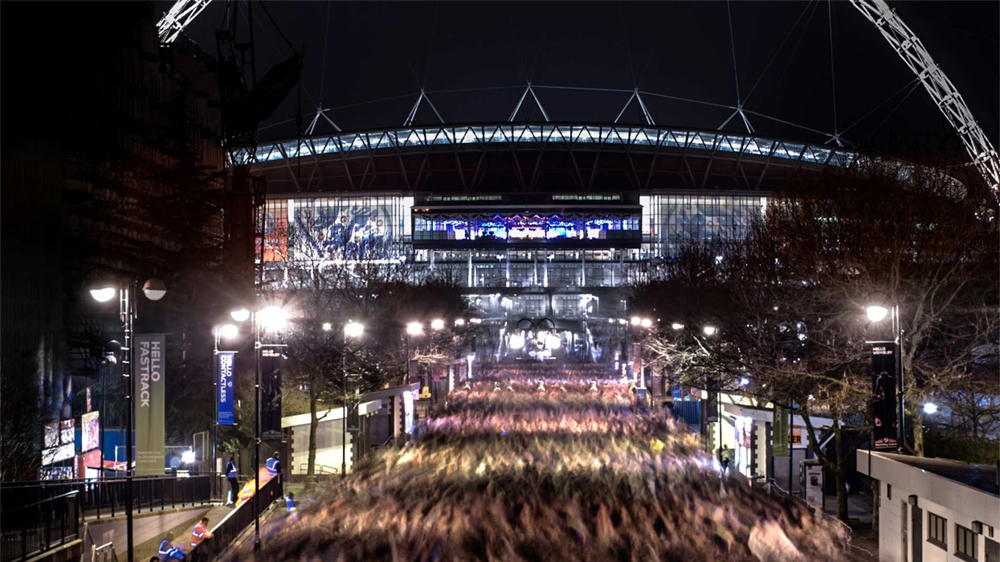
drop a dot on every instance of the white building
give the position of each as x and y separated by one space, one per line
330 439
935 510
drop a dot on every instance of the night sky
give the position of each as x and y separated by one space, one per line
381 50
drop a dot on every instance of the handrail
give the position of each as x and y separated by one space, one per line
236 522
46 500
848 534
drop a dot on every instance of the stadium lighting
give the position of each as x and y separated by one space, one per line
437 324
414 329
516 341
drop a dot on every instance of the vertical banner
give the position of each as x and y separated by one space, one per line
884 394
779 432
270 394
224 373
148 356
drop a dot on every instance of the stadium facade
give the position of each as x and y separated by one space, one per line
542 225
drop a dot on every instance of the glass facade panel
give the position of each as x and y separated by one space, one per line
386 226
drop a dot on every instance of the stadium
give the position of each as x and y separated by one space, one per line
545 210
542 224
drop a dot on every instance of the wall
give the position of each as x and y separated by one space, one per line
958 503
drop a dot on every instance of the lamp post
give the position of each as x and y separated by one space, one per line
154 290
267 319
876 313
351 330
412 329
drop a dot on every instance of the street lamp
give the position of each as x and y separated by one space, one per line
646 323
412 329
351 330
460 322
268 319
327 326
876 312
930 408
437 324
154 290
677 326
709 330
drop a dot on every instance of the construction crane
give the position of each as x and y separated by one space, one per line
182 13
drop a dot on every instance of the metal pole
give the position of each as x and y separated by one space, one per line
128 313
343 418
899 359
256 425
215 424
102 419
791 449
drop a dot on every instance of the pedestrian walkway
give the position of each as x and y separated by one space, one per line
215 515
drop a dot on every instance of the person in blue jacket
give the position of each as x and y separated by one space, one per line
168 551
274 465
233 475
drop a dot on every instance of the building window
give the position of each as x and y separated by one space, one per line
965 543
937 530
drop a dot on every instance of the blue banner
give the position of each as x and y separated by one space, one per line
224 369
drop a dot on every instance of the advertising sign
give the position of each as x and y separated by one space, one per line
90 430
814 484
60 442
408 412
779 432
149 380
270 394
884 394
796 436
224 371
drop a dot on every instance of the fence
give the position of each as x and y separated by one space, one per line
33 528
106 497
230 528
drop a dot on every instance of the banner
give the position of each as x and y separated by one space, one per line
270 394
148 374
90 429
779 432
884 394
225 414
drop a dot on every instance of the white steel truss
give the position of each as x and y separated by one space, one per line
514 133
940 88
180 15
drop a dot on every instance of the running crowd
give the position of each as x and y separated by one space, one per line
550 466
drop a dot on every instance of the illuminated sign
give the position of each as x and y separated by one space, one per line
90 429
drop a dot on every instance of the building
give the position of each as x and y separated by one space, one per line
107 126
935 510
541 225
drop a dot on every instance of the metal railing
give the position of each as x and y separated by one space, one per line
104 553
847 533
229 529
33 528
106 497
